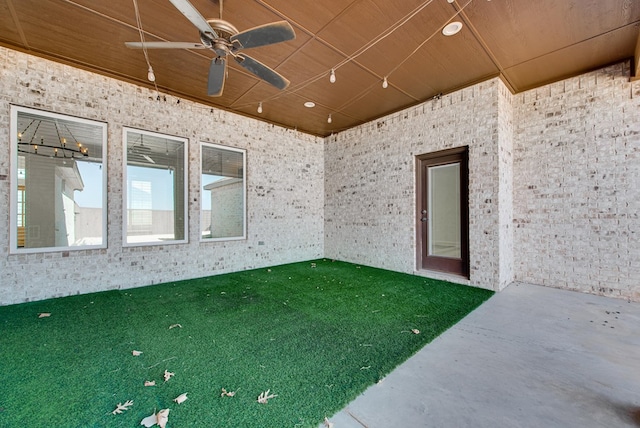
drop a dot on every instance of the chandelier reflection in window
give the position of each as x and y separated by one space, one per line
48 146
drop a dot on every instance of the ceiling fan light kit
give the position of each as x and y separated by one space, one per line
225 40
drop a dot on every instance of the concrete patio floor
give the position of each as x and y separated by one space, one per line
531 356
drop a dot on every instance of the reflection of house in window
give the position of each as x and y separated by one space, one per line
140 217
155 188
57 199
21 215
48 209
227 208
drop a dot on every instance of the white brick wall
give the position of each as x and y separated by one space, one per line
554 193
505 186
285 182
554 188
577 184
370 182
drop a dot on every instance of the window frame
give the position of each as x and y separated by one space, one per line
202 145
15 110
185 141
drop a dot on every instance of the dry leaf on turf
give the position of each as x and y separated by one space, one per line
161 418
44 315
122 407
168 375
227 394
174 326
264 397
149 383
136 353
415 331
149 421
181 398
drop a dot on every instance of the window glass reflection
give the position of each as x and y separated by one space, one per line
155 188
222 192
59 171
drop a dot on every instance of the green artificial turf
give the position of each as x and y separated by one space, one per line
315 333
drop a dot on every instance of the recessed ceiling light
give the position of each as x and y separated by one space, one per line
452 28
310 104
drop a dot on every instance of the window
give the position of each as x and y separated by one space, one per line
155 190
222 212
58 192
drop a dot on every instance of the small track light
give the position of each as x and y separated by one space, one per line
329 120
150 75
385 83
260 107
332 76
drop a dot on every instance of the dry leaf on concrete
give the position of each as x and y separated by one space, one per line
149 383
181 398
327 423
122 407
161 418
264 397
136 353
168 375
227 394
44 315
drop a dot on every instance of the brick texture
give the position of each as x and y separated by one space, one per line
285 186
554 193
577 184
370 182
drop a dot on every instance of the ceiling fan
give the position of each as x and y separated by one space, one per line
225 40
141 150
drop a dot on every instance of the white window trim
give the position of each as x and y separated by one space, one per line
244 192
126 244
13 194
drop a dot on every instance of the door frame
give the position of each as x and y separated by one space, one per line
443 264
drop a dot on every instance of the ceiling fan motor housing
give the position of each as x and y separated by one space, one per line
224 30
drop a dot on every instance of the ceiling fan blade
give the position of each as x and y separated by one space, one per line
263 35
148 158
217 75
165 45
262 71
192 14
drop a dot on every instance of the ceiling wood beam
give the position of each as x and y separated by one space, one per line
485 46
14 16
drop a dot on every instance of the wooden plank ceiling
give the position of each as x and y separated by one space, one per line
528 43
